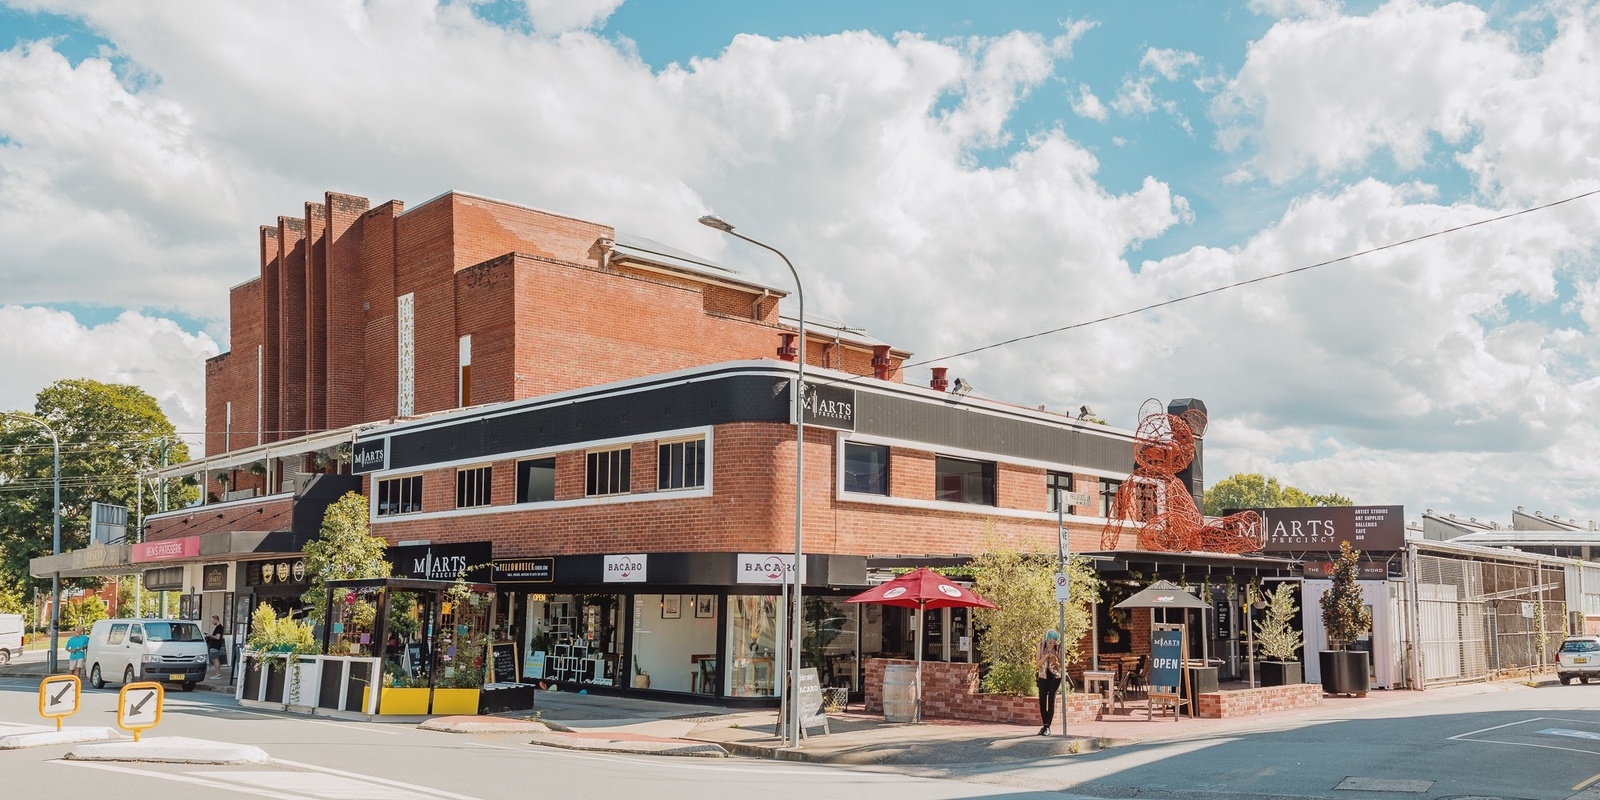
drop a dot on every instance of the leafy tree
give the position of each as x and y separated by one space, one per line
83 612
1344 612
1275 632
149 602
1253 490
345 551
12 602
108 433
1023 586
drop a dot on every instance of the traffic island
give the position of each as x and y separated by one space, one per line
171 750
638 744
42 735
470 724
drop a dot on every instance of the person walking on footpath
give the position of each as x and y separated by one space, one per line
214 640
1048 663
77 650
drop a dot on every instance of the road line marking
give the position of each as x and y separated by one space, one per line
1530 744
226 787
374 779
1580 787
1495 728
352 727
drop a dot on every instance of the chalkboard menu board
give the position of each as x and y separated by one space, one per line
505 662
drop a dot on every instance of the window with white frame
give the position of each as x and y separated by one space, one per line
400 496
866 468
608 472
536 480
1059 486
472 487
957 480
681 464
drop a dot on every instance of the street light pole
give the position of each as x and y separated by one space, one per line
791 696
55 548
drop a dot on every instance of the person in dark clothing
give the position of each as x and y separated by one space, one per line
214 642
1048 676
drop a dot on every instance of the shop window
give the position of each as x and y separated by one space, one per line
681 465
866 468
400 496
1058 485
957 480
752 645
608 472
472 487
1108 496
536 480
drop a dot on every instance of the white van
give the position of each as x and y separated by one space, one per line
169 650
10 636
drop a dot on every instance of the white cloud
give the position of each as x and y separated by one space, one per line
1294 8
560 16
1086 104
39 346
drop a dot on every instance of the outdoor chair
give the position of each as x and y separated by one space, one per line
1131 686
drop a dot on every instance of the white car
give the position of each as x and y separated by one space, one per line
129 650
10 636
1579 658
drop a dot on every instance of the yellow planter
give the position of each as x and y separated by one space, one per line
455 701
410 702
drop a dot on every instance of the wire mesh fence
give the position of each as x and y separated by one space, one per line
1478 619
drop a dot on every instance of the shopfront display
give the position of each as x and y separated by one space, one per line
573 638
753 625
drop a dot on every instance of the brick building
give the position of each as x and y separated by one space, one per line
600 425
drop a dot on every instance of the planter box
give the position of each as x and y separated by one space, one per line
410 702
455 701
1282 673
1344 672
501 697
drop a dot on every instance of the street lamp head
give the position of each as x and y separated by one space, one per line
714 221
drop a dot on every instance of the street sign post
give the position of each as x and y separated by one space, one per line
58 697
1063 587
139 707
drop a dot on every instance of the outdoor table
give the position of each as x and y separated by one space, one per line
1105 679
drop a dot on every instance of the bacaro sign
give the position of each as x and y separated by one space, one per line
770 568
1322 528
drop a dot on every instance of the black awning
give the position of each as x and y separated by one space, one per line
1152 564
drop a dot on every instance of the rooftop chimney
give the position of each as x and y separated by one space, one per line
940 382
880 361
786 348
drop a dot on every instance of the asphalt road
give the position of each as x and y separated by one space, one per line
349 761
1532 744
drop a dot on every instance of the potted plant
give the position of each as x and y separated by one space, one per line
279 642
1344 617
1278 639
641 679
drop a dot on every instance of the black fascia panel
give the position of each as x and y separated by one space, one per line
950 424
717 401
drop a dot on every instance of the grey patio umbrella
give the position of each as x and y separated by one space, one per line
1166 594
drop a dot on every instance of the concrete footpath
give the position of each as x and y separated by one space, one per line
866 739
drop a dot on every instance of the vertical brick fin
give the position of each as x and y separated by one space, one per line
271 331
425 268
316 317
379 235
345 342
292 330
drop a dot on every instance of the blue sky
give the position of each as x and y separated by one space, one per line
944 176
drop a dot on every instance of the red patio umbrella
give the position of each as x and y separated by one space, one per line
924 590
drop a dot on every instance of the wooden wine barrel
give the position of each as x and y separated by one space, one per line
900 693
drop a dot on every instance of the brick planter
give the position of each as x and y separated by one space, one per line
950 691
1250 702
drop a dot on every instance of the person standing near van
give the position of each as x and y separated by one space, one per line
1047 660
214 640
77 650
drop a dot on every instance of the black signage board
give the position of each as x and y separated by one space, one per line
1166 656
443 562
524 570
829 406
369 455
214 578
810 694
1365 570
277 572
1322 528
505 662
1224 611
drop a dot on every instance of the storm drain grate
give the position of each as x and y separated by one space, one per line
1355 784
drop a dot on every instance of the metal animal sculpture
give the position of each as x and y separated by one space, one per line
1162 447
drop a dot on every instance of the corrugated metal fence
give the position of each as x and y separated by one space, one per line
1477 619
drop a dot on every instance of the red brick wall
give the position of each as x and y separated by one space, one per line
1250 702
950 691
346 326
231 376
378 292
316 300
486 298
292 330
486 228
271 332
425 268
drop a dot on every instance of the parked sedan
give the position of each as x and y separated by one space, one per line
1579 657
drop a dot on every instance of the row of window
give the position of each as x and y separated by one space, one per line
956 480
679 465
